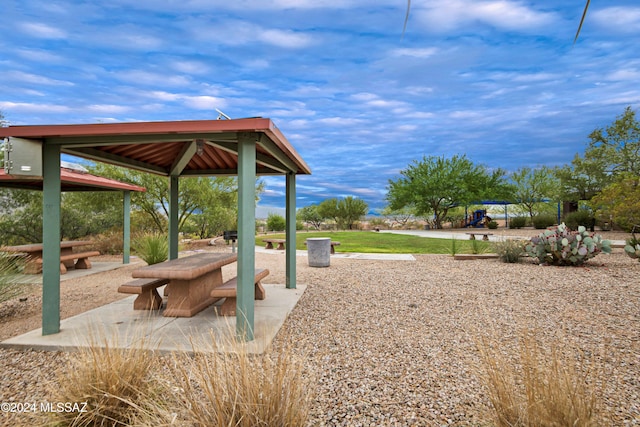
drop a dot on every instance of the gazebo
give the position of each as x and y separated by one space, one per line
243 147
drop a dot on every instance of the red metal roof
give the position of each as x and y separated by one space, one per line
197 147
70 181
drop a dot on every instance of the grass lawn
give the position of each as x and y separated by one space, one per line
372 242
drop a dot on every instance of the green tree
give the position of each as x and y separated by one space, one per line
620 202
310 215
532 186
345 212
21 217
199 196
350 210
618 145
328 209
436 184
583 179
611 151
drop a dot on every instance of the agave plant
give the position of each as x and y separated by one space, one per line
561 246
633 251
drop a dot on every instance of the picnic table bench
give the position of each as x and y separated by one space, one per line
33 254
148 296
270 243
191 280
229 291
485 235
333 245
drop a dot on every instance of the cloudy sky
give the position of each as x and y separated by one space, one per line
497 80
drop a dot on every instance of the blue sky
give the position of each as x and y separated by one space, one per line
497 80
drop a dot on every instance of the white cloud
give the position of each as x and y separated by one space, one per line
447 15
44 31
630 75
29 107
338 121
415 52
204 102
108 109
286 39
40 56
617 19
237 33
141 77
22 77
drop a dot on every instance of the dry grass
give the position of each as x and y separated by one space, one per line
543 389
239 389
136 387
115 384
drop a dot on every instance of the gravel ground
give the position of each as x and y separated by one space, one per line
394 342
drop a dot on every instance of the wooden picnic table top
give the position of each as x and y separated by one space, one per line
187 268
37 247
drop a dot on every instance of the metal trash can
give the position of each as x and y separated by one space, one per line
319 251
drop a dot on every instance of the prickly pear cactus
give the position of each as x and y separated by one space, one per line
562 246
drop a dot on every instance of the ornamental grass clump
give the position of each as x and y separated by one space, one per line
108 386
152 248
509 250
544 387
10 286
632 248
562 246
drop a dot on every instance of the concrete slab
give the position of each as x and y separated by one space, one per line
119 326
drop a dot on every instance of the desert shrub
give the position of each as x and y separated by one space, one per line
152 248
115 384
561 246
509 250
543 221
275 222
517 222
108 243
544 389
492 225
579 218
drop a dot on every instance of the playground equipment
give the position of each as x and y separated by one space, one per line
477 219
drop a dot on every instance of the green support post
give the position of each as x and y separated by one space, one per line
173 216
291 231
126 226
245 304
51 239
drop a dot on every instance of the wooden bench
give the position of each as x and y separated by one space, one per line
148 296
333 245
485 235
66 261
229 291
270 243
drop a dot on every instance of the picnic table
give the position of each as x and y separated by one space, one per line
33 254
191 280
